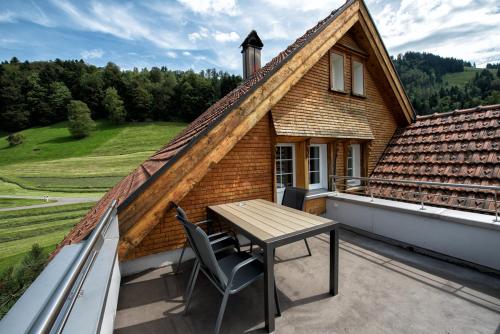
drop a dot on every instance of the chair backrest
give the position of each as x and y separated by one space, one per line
200 244
294 198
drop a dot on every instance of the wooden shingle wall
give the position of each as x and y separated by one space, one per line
312 96
245 173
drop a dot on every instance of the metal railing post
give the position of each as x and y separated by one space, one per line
421 197
370 189
496 208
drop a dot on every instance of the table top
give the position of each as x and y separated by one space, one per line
268 221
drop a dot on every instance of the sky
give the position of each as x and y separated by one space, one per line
200 34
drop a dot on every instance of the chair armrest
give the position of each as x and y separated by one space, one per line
208 221
213 242
215 235
239 266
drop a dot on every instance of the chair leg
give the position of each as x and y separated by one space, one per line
251 246
308 249
221 312
191 288
195 266
179 262
277 301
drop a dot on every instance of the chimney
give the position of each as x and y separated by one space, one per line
251 54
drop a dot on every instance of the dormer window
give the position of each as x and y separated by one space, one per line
358 85
337 72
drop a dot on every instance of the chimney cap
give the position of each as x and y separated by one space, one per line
252 40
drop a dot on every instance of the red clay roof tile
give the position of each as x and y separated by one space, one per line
462 146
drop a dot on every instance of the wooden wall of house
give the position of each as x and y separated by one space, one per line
314 89
245 173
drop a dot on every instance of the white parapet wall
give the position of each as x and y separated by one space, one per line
466 236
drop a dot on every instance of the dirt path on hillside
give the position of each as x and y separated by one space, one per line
58 201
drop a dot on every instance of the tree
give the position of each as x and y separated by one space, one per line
36 101
15 139
113 105
498 72
16 279
80 122
92 92
59 98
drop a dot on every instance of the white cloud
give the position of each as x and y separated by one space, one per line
171 54
201 34
119 20
92 54
226 36
186 53
461 29
7 16
211 7
304 6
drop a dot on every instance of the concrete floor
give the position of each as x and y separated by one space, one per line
382 289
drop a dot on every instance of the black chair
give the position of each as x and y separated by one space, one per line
295 198
229 274
220 240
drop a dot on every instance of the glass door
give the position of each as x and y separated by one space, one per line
285 169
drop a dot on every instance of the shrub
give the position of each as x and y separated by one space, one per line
113 105
80 122
15 139
16 279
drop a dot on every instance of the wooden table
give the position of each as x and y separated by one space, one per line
271 225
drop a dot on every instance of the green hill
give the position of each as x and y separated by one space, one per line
51 162
461 78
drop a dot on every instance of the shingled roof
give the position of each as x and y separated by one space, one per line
127 188
462 146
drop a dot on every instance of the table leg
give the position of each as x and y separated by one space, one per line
269 288
334 261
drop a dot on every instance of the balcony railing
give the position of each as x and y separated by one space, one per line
421 193
83 273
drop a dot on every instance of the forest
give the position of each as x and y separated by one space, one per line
423 76
39 93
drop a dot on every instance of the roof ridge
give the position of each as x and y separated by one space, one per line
459 111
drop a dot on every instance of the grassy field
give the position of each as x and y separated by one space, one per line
461 78
15 202
20 229
50 161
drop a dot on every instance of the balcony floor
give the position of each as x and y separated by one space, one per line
382 289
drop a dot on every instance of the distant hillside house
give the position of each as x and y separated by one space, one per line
329 104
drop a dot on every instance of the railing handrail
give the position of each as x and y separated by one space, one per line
419 184
429 183
52 315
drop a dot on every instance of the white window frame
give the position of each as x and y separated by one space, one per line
323 177
280 191
356 164
334 85
358 78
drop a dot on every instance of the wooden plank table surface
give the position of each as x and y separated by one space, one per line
271 225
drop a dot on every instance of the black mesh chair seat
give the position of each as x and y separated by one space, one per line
228 274
221 241
246 275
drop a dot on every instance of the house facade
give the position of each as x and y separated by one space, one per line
327 105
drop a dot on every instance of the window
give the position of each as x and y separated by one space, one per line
358 85
337 71
285 175
317 166
354 164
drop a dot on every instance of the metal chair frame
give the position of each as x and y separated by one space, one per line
208 264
